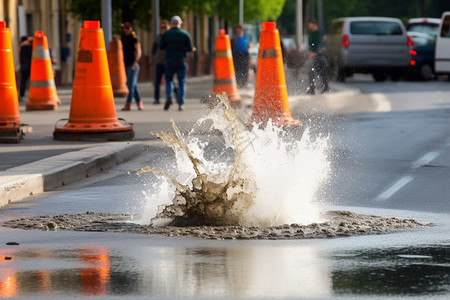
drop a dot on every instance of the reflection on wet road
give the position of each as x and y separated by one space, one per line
258 270
393 271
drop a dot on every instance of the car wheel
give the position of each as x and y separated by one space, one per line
378 76
395 77
426 72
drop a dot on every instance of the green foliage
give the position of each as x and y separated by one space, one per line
203 7
286 21
84 9
137 12
260 10
171 8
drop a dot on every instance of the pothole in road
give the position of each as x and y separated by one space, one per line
338 224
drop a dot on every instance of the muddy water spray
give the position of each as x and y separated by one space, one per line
268 182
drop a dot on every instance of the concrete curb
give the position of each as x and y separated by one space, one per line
338 100
327 96
30 179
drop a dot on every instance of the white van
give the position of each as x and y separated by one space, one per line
442 56
375 45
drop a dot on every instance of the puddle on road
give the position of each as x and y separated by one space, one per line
337 224
199 271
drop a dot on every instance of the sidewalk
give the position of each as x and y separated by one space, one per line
39 163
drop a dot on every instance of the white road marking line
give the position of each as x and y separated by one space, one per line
426 159
394 188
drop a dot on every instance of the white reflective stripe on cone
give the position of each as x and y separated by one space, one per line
39 52
223 53
42 83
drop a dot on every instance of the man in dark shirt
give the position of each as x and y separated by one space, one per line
131 55
177 42
25 53
158 58
317 60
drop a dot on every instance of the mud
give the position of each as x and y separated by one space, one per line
338 224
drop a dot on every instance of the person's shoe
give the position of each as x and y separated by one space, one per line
127 106
140 105
180 108
156 102
167 104
325 89
310 91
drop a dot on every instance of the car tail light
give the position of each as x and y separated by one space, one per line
410 41
413 53
345 41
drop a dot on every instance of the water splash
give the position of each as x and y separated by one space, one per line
268 180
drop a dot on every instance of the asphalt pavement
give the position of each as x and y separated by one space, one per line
371 153
39 163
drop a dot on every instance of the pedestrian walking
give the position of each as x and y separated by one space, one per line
158 58
177 42
317 67
131 55
25 56
241 56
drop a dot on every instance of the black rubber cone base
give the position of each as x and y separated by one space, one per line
94 136
11 137
120 94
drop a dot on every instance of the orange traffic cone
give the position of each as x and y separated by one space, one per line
271 101
92 110
10 130
224 75
117 68
42 83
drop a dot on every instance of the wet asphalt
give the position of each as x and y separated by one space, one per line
66 264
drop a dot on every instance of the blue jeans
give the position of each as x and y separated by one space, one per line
132 76
158 78
179 68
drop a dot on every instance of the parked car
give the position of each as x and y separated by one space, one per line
428 26
422 56
442 54
375 45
